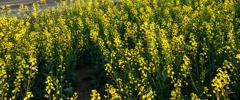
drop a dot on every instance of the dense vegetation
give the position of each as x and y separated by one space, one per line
137 49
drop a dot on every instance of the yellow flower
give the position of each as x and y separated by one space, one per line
238 56
194 96
220 83
28 96
113 92
95 95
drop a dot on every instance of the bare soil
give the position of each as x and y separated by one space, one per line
82 83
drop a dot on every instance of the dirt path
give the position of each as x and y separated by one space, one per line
82 83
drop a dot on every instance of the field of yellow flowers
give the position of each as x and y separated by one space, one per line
136 49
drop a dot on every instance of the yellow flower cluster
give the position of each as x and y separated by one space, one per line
28 96
185 67
176 92
194 97
3 76
95 95
220 83
113 95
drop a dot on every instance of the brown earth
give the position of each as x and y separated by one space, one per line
82 83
